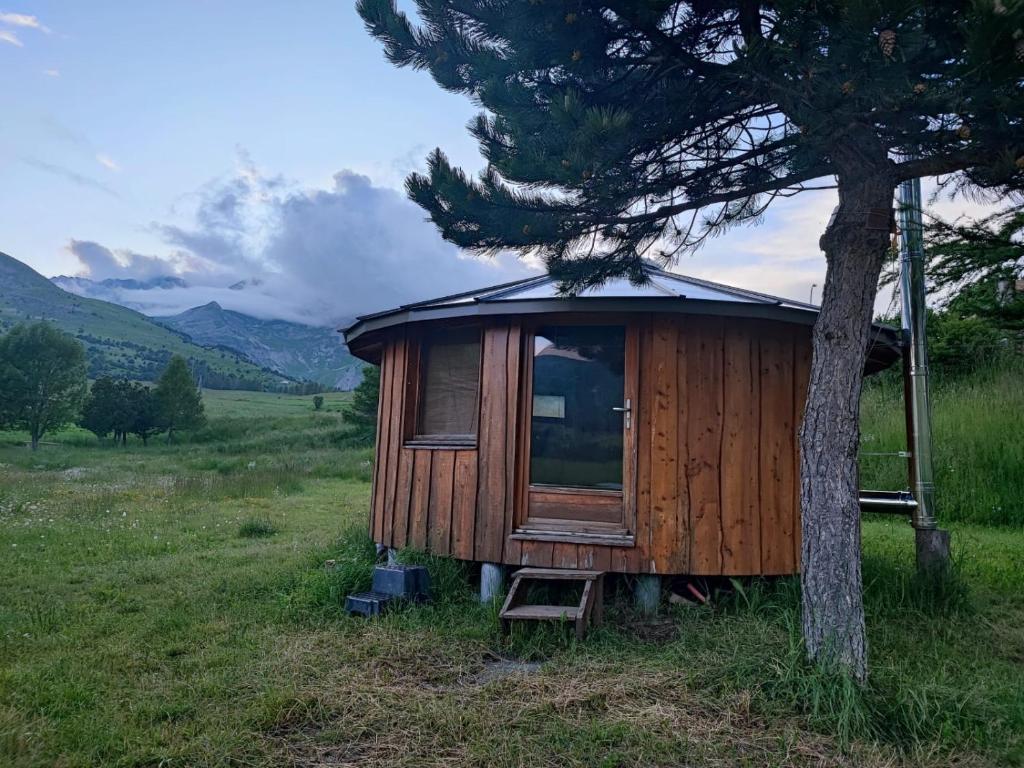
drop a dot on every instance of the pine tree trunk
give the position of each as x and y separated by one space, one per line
855 243
34 441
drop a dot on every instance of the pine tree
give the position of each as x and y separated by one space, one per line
976 267
623 129
179 400
42 379
361 413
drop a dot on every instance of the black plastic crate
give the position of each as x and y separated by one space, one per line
368 603
410 582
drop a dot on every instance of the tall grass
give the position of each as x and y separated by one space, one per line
978 423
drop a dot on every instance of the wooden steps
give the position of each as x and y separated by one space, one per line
589 611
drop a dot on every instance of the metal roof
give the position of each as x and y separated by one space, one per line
663 292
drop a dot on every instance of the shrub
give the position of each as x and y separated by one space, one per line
256 529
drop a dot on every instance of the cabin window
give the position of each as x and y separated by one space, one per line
447 408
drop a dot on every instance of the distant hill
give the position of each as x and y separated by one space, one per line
299 351
120 341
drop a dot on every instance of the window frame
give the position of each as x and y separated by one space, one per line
419 340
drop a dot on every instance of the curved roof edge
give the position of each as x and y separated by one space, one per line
664 292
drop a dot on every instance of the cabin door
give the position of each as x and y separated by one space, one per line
582 436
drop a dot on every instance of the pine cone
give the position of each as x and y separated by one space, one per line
920 88
964 131
887 42
848 87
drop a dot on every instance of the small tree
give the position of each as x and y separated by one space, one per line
179 401
42 379
318 402
146 412
99 411
125 407
361 413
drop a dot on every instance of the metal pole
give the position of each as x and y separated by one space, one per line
912 298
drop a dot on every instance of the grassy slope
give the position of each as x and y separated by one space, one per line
138 627
979 449
127 342
306 353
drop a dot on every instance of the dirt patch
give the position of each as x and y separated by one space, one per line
497 668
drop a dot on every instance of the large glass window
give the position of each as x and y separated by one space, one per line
449 385
578 382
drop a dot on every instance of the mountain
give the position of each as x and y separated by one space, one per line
114 290
299 351
120 341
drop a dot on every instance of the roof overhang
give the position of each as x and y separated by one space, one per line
364 337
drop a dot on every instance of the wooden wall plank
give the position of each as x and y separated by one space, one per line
741 437
537 554
491 444
599 558
639 558
464 505
381 447
513 381
802 352
704 437
777 457
681 557
439 512
564 555
664 443
419 505
398 377
403 498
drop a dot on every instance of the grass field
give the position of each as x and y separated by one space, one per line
169 606
979 443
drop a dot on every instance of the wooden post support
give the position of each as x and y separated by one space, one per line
647 594
932 551
492 581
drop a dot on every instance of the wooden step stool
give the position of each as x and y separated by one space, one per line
590 610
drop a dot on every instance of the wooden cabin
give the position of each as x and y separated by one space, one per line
634 429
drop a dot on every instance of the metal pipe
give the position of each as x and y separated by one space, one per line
894 502
912 298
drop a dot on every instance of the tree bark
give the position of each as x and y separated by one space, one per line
855 243
34 441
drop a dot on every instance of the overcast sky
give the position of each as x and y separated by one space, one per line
262 142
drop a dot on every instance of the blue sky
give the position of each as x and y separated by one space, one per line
265 142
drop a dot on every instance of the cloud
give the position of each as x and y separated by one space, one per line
23 20
101 263
322 255
18 21
51 72
107 162
72 176
311 255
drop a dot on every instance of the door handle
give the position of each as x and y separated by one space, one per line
626 409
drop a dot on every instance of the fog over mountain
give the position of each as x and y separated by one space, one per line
271 249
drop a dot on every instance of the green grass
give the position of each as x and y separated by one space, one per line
249 405
140 625
979 450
